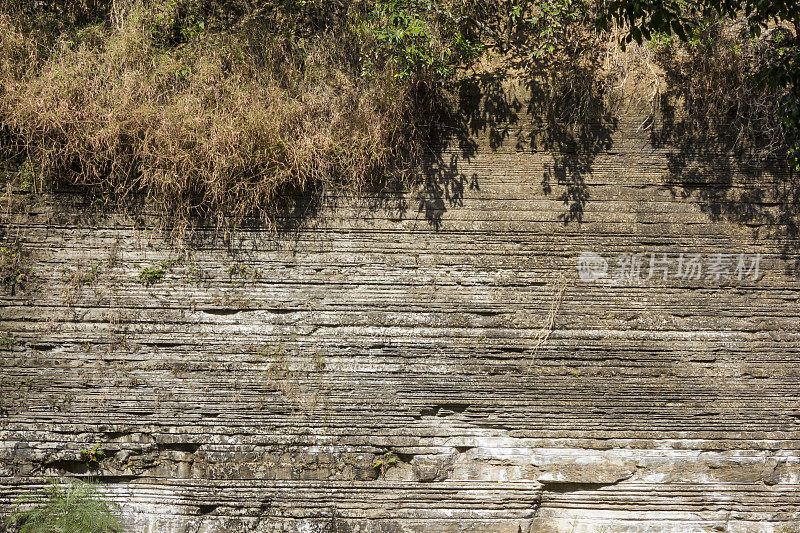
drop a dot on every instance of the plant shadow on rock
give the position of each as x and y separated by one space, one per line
577 126
571 116
573 121
722 153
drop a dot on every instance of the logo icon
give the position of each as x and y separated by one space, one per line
592 266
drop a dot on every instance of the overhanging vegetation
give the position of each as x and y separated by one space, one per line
217 109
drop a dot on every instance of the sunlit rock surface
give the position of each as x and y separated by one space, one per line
427 360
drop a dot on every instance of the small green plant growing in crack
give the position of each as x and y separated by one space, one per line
154 274
8 342
92 456
28 176
237 270
93 275
74 506
383 464
12 275
151 275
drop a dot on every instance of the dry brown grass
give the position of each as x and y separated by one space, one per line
218 126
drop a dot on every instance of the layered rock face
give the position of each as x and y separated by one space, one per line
588 332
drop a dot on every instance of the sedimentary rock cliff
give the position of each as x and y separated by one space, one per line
430 359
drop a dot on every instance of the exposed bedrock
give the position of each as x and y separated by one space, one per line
431 360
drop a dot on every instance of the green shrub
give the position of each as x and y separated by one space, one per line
384 463
71 507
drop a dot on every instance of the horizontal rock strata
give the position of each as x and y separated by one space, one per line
430 360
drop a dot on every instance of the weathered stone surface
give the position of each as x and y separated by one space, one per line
426 361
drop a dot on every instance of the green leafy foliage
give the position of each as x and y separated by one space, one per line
553 22
412 37
783 74
12 273
384 463
644 18
92 456
768 23
70 507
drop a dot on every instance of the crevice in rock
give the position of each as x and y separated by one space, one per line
111 435
187 447
444 409
205 509
565 487
42 347
279 311
117 478
512 349
163 344
405 457
220 311
71 466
